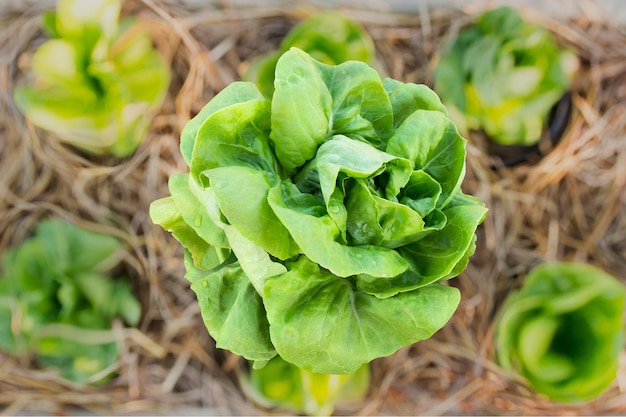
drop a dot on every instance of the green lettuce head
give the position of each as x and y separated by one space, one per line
319 225
96 84
328 37
58 300
563 331
503 75
283 384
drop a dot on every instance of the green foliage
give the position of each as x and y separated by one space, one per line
96 83
503 75
56 295
328 37
319 225
563 331
282 384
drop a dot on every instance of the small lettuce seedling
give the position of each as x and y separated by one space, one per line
563 332
320 225
56 293
503 75
96 84
328 37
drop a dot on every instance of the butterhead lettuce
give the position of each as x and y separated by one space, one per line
97 82
320 225
563 331
282 384
503 75
57 292
328 37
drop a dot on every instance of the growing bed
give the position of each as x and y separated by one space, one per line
570 205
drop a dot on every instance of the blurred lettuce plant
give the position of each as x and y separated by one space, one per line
564 331
503 75
284 385
97 83
58 302
327 36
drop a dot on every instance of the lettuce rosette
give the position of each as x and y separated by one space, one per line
97 82
319 225
60 297
503 75
328 37
563 331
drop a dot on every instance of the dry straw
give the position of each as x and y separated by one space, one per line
568 206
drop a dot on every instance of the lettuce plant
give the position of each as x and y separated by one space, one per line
563 331
320 225
97 82
282 384
55 291
328 37
503 75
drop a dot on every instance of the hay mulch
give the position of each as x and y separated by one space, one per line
570 205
